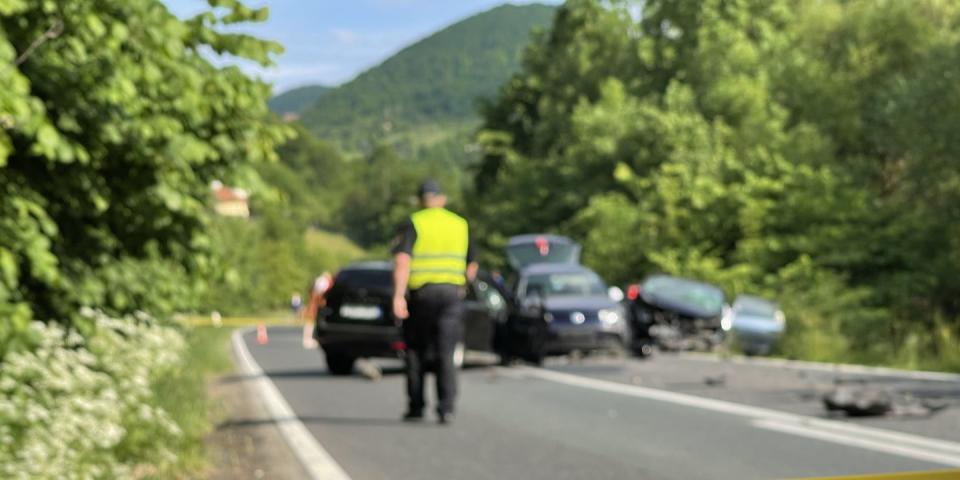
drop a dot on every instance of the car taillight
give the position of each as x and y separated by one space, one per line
633 292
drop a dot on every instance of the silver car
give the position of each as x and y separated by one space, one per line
756 324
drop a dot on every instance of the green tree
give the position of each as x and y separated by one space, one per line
758 144
113 125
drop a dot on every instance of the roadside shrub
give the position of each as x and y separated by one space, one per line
827 320
79 408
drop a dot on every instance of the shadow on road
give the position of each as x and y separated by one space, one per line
323 373
308 420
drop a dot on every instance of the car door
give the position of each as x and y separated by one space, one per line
485 307
525 330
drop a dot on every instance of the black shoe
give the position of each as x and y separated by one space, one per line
444 418
413 417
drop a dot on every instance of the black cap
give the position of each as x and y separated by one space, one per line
429 187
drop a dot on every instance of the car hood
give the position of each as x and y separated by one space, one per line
683 308
585 303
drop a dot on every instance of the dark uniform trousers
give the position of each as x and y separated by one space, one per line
431 334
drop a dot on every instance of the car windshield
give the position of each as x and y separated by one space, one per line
754 308
572 283
677 290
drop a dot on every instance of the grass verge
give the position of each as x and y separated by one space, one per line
185 397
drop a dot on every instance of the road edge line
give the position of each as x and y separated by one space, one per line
312 456
946 450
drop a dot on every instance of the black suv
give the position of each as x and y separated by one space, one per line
357 321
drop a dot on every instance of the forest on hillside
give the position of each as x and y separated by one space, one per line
430 89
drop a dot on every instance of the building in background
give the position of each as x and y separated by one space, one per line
230 202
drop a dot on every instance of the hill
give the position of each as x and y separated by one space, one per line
297 99
426 95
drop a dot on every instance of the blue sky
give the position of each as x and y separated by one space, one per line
329 42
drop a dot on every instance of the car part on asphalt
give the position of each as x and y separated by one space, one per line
864 400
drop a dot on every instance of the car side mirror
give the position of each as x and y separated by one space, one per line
615 294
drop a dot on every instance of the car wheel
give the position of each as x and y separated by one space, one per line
643 351
459 352
536 359
340 364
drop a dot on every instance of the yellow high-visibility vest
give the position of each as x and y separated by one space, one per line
440 252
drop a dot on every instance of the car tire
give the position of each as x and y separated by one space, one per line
643 351
340 364
536 359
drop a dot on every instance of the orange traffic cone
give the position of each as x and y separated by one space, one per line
262 334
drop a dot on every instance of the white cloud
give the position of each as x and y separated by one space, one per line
346 37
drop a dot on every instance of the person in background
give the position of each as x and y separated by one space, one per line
433 257
316 301
295 303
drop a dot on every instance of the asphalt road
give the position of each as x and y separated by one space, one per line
671 417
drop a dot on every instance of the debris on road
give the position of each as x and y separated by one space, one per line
864 401
369 369
858 401
715 380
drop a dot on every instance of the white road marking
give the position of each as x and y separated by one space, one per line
825 367
315 460
902 444
855 441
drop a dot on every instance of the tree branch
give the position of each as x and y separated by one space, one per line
53 32
7 122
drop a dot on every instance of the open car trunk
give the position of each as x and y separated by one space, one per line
524 250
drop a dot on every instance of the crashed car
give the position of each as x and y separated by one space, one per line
756 324
561 308
557 305
357 321
674 314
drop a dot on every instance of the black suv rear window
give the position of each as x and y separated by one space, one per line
364 279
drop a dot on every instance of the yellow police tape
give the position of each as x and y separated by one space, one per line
932 475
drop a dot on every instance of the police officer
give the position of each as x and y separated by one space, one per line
433 257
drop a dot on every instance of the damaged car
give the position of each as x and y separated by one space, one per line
675 313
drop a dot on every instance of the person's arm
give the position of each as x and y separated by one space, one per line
472 265
402 253
472 268
401 275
